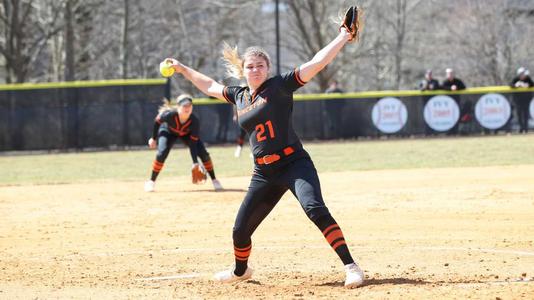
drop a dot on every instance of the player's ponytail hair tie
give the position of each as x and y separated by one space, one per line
234 63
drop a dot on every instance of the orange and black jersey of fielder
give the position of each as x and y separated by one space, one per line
170 120
188 132
266 114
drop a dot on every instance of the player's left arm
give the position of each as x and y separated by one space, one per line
322 58
349 31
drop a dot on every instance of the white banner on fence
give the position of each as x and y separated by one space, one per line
389 115
441 113
492 111
532 108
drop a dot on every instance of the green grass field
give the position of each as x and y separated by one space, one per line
328 157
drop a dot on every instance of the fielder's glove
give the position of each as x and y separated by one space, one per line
351 23
198 174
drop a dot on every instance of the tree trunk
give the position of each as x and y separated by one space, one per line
69 43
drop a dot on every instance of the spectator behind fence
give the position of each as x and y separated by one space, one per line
428 84
333 113
522 100
333 88
452 83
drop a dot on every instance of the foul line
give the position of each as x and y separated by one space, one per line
179 276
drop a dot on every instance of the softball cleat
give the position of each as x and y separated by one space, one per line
237 152
228 276
354 277
149 186
217 185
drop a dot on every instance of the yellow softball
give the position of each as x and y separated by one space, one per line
166 69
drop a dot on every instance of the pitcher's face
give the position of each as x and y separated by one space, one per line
256 70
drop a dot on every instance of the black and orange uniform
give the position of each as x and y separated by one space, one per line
167 128
280 164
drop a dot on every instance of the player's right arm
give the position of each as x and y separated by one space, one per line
203 82
152 142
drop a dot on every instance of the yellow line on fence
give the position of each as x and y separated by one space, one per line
298 97
382 94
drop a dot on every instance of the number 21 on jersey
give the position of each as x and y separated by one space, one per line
261 134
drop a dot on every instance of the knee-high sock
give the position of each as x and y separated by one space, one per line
156 168
334 236
241 258
208 165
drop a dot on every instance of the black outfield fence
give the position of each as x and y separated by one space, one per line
385 113
121 113
78 114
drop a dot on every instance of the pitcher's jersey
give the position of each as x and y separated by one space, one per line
266 115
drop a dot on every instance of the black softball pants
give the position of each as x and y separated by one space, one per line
267 186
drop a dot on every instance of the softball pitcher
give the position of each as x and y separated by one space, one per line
264 109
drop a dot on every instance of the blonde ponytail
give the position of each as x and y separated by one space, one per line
232 61
167 105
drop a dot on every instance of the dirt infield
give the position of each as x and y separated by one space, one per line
424 233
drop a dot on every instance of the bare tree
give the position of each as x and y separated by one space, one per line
50 40
70 40
27 28
125 49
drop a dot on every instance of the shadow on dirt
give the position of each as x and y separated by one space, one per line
392 281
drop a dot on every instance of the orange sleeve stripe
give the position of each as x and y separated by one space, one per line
329 228
297 77
337 244
334 235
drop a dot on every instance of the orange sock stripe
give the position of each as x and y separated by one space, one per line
208 165
241 259
242 253
329 228
338 243
334 235
243 249
157 166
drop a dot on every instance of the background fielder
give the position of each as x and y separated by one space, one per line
170 124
